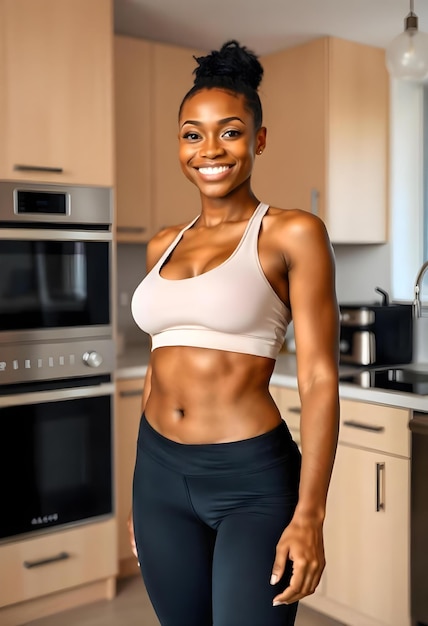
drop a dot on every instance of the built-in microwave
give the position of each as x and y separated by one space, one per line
56 262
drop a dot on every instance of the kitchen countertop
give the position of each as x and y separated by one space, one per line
132 363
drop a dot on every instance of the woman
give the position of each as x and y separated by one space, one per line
227 515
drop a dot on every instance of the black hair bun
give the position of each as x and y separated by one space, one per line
231 64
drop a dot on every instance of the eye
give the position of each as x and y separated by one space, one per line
232 133
191 136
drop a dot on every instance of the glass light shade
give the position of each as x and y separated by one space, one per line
407 55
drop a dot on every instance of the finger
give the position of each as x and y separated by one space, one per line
302 583
278 567
133 545
132 542
294 589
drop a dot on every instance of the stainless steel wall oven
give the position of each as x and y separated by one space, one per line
56 357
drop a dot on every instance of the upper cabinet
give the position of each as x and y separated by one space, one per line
152 192
56 91
326 110
133 77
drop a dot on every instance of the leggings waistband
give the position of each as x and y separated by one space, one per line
246 455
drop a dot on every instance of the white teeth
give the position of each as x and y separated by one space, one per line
211 171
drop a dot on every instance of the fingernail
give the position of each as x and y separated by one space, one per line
277 603
274 580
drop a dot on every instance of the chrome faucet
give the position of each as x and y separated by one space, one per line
417 311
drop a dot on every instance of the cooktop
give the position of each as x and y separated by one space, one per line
393 378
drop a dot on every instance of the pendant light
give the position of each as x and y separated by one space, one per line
407 54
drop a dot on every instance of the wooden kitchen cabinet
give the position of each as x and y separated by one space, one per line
176 199
56 571
152 192
56 102
326 110
367 527
128 413
368 546
133 102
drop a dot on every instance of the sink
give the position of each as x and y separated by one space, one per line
411 378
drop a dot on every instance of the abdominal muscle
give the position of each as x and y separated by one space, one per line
200 395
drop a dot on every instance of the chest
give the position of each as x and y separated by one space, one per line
203 249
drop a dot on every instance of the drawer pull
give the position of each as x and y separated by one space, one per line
294 409
361 426
380 487
62 556
131 393
37 168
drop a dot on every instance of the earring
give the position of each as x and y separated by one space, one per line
260 152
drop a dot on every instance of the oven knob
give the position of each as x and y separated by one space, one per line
92 359
344 345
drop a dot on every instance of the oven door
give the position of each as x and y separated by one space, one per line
56 456
54 283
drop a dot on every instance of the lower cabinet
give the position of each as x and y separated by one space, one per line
367 528
367 536
128 413
55 571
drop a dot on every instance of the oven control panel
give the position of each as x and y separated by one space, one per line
47 361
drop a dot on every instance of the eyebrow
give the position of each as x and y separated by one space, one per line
225 120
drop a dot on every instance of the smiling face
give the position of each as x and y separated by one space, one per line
218 142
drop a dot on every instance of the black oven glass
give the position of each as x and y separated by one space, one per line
55 464
53 284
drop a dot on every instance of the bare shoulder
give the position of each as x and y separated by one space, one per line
160 242
297 232
296 221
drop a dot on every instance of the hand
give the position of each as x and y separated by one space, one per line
302 543
131 534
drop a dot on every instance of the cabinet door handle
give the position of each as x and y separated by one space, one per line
130 393
314 201
37 168
380 486
361 426
294 409
62 556
131 229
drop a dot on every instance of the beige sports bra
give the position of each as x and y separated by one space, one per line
232 307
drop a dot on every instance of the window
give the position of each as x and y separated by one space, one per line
408 232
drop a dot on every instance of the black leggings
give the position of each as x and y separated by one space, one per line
207 519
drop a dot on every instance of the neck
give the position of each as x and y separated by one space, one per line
234 208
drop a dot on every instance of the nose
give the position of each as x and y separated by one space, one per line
211 147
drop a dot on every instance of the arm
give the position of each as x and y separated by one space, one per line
316 324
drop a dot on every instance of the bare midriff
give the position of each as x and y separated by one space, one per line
200 395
